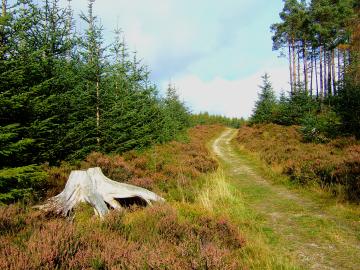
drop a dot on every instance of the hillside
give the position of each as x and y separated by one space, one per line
334 166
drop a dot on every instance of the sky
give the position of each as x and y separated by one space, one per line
214 52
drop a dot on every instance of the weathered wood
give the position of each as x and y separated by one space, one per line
93 187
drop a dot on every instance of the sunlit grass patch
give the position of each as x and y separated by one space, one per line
216 191
221 197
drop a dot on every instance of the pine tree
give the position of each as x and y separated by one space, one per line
176 114
266 104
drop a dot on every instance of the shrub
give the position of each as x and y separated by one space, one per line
21 183
321 127
114 167
348 174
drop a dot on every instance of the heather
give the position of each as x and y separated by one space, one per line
179 234
334 166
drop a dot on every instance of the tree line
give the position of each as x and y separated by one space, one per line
65 93
204 118
320 38
315 36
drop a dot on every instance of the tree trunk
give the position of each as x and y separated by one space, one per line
339 65
93 187
316 77
333 72
290 68
305 67
312 73
294 63
325 77
298 67
3 2
321 76
329 79
330 90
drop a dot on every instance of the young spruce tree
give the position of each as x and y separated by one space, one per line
266 104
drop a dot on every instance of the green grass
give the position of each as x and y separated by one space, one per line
307 228
221 197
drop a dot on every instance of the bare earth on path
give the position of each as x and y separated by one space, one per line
318 237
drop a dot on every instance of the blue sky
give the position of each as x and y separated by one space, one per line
213 51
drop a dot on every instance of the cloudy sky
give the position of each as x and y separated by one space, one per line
213 51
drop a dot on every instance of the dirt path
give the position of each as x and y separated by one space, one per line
317 238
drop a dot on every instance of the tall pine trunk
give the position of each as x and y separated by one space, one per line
3 3
333 78
316 78
298 67
329 74
344 63
294 62
305 67
290 68
339 64
312 72
333 71
325 77
321 75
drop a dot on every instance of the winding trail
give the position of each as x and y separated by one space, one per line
311 233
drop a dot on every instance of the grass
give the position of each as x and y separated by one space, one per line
222 197
311 226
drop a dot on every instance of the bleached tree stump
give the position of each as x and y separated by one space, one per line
93 187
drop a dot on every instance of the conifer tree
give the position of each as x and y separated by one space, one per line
266 104
60 97
176 114
95 62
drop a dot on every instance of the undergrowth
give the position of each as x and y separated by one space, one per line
179 234
334 166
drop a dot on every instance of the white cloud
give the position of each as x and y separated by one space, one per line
233 98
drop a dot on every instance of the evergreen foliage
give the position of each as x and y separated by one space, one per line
64 94
318 121
266 104
21 183
176 114
348 107
292 109
321 40
320 127
207 119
